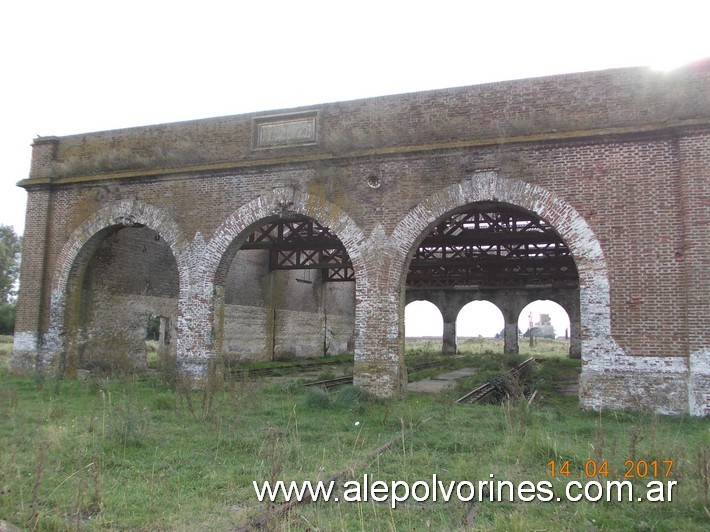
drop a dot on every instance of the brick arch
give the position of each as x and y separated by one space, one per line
564 218
234 231
199 344
85 239
460 302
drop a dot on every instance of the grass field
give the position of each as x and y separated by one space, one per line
5 349
134 454
543 346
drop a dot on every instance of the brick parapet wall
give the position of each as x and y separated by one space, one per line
636 98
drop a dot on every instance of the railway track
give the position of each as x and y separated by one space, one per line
340 381
497 384
331 383
250 373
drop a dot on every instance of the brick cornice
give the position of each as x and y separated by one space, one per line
592 135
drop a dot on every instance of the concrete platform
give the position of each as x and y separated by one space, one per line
567 387
441 382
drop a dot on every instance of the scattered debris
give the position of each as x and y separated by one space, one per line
532 397
340 381
507 385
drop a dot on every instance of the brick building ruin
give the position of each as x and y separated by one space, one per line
306 231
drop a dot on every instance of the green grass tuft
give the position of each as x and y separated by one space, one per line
317 398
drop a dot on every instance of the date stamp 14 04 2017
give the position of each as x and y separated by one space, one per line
633 469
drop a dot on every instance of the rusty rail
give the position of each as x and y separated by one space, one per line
487 388
245 372
340 381
331 383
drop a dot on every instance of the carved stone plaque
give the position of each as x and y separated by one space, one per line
285 130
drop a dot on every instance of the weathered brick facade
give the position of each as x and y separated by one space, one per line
618 162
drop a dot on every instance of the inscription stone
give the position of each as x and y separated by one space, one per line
288 130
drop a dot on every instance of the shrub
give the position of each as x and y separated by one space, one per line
7 318
348 397
163 401
128 424
291 387
318 398
325 376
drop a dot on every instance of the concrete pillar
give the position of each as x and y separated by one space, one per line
511 303
510 335
448 344
449 309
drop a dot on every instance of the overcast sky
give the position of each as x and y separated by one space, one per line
72 66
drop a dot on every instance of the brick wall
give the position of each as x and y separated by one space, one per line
130 277
616 161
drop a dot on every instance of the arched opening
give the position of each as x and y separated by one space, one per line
479 328
423 319
423 326
494 251
158 341
285 289
123 277
545 327
589 287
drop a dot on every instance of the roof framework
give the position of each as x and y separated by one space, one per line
489 245
492 245
303 244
